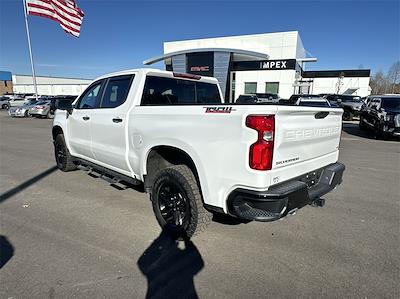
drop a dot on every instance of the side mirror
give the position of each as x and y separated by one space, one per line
64 105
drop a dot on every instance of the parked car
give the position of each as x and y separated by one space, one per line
4 102
313 102
381 115
350 104
21 111
196 154
41 109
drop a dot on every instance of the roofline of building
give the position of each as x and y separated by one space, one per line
199 50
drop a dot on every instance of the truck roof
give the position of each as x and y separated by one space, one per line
157 72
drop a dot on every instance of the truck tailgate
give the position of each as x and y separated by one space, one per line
305 133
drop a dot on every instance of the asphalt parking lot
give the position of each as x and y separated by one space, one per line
73 235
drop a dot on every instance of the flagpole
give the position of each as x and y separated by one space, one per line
30 49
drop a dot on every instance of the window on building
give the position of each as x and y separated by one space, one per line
272 87
250 87
116 91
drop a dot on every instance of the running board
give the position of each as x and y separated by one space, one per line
114 178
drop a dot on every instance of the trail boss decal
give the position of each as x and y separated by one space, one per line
219 109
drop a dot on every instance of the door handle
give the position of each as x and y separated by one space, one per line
117 120
86 118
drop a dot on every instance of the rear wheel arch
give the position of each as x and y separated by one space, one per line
160 157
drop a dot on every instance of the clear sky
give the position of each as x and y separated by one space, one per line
120 34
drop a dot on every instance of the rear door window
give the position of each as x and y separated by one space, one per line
116 91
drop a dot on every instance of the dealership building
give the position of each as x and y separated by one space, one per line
259 63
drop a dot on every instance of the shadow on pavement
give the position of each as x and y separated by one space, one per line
353 129
6 195
6 251
228 220
170 266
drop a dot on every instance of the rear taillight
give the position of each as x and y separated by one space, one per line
261 152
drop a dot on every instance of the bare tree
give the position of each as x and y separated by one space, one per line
394 76
378 83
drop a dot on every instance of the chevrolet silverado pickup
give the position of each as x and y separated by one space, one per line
196 155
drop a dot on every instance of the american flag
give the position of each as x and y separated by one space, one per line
66 12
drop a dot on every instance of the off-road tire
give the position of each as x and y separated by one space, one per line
198 218
66 163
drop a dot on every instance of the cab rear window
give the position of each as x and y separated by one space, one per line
170 91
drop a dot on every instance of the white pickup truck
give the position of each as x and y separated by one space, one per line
195 154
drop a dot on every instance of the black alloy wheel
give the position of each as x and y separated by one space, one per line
64 160
173 204
60 153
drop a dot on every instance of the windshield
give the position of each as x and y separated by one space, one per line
391 103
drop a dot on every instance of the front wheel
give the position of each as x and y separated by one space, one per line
63 157
5 106
177 202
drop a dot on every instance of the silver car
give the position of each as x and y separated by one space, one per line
21 111
41 109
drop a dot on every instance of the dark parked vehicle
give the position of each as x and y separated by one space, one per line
351 104
381 115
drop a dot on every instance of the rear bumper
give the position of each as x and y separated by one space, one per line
286 197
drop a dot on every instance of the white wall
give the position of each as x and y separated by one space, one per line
329 85
51 89
278 45
284 77
49 85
